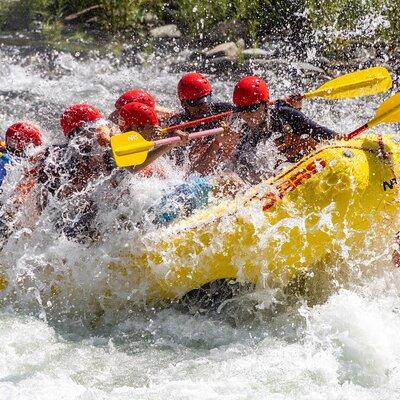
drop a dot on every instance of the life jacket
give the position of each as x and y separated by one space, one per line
4 160
182 200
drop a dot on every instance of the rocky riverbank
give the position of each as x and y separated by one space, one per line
215 37
168 45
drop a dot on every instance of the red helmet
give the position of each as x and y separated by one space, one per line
138 114
249 91
135 96
193 86
22 134
77 115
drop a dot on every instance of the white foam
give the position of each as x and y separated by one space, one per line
84 346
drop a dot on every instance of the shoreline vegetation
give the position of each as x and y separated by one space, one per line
335 29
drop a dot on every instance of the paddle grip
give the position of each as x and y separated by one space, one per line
195 135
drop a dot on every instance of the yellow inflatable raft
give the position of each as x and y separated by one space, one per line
329 203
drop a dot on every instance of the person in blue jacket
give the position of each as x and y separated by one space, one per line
4 160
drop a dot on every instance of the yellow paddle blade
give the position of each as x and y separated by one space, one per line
388 112
360 83
130 148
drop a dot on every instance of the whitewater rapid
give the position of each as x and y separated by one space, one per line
339 342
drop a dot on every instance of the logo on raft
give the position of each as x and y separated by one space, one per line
390 184
293 182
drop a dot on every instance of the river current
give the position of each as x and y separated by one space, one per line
338 340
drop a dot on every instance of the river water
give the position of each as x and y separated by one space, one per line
339 340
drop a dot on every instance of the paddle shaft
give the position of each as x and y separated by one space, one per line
196 122
191 136
211 118
204 120
356 132
388 112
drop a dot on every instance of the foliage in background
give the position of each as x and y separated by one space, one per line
192 16
120 14
392 13
330 21
259 16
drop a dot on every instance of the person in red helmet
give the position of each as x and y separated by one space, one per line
19 137
142 118
138 96
137 114
68 169
194 87
84 120
135 96
196 97
258 122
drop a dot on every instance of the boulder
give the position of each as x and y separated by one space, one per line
308 68
228 50
255 53
218 65
253 65
167 31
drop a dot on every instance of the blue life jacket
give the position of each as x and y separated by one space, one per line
4 159
182 200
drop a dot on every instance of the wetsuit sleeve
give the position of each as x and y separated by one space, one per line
303 125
